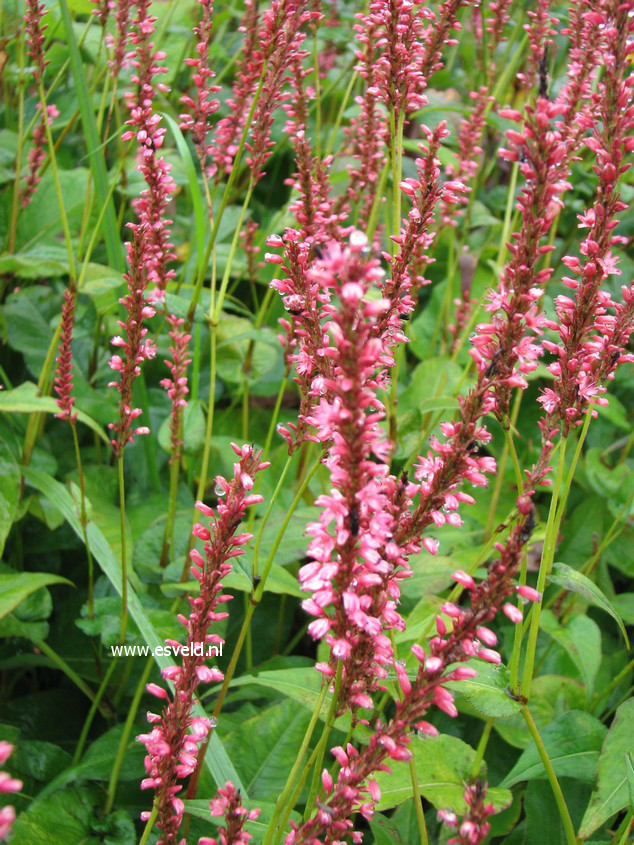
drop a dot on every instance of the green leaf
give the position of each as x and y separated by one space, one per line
264 747
576 582
15 588
550 696
58 819
24 400
9 491
216 759
581 639
94 147
573 742
488 691
612 792
443 764
279 581
301 683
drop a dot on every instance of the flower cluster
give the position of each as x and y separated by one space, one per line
36 153
203 106
173 742
345 564
228 805
280 40
467 636
414 240
64 369
33 14
248 71
584 322
474 827
118 43
176 386
8 785
367 134
145 126
314 208
135 347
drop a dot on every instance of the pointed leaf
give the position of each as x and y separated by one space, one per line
573 742
576 582
612 793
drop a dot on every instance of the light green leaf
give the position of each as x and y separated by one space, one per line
581 639
217 760
443 764
573 742
279 581
576 582
15 588
612 792
264 747
24 400
301 683
488 691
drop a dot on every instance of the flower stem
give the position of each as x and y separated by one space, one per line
548 556
72 278
83 736
552 777
299 762
168 539
63 666
124 563
125 736
84 521
482 745
149 825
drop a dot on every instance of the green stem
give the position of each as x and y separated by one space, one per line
548 556
552 777
124 563
84 520
267 514
418 804
482 746
605 692
299 761
168 538
63 666
323 741
571 472
622 836
149 825
72 278
91 713
125 736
